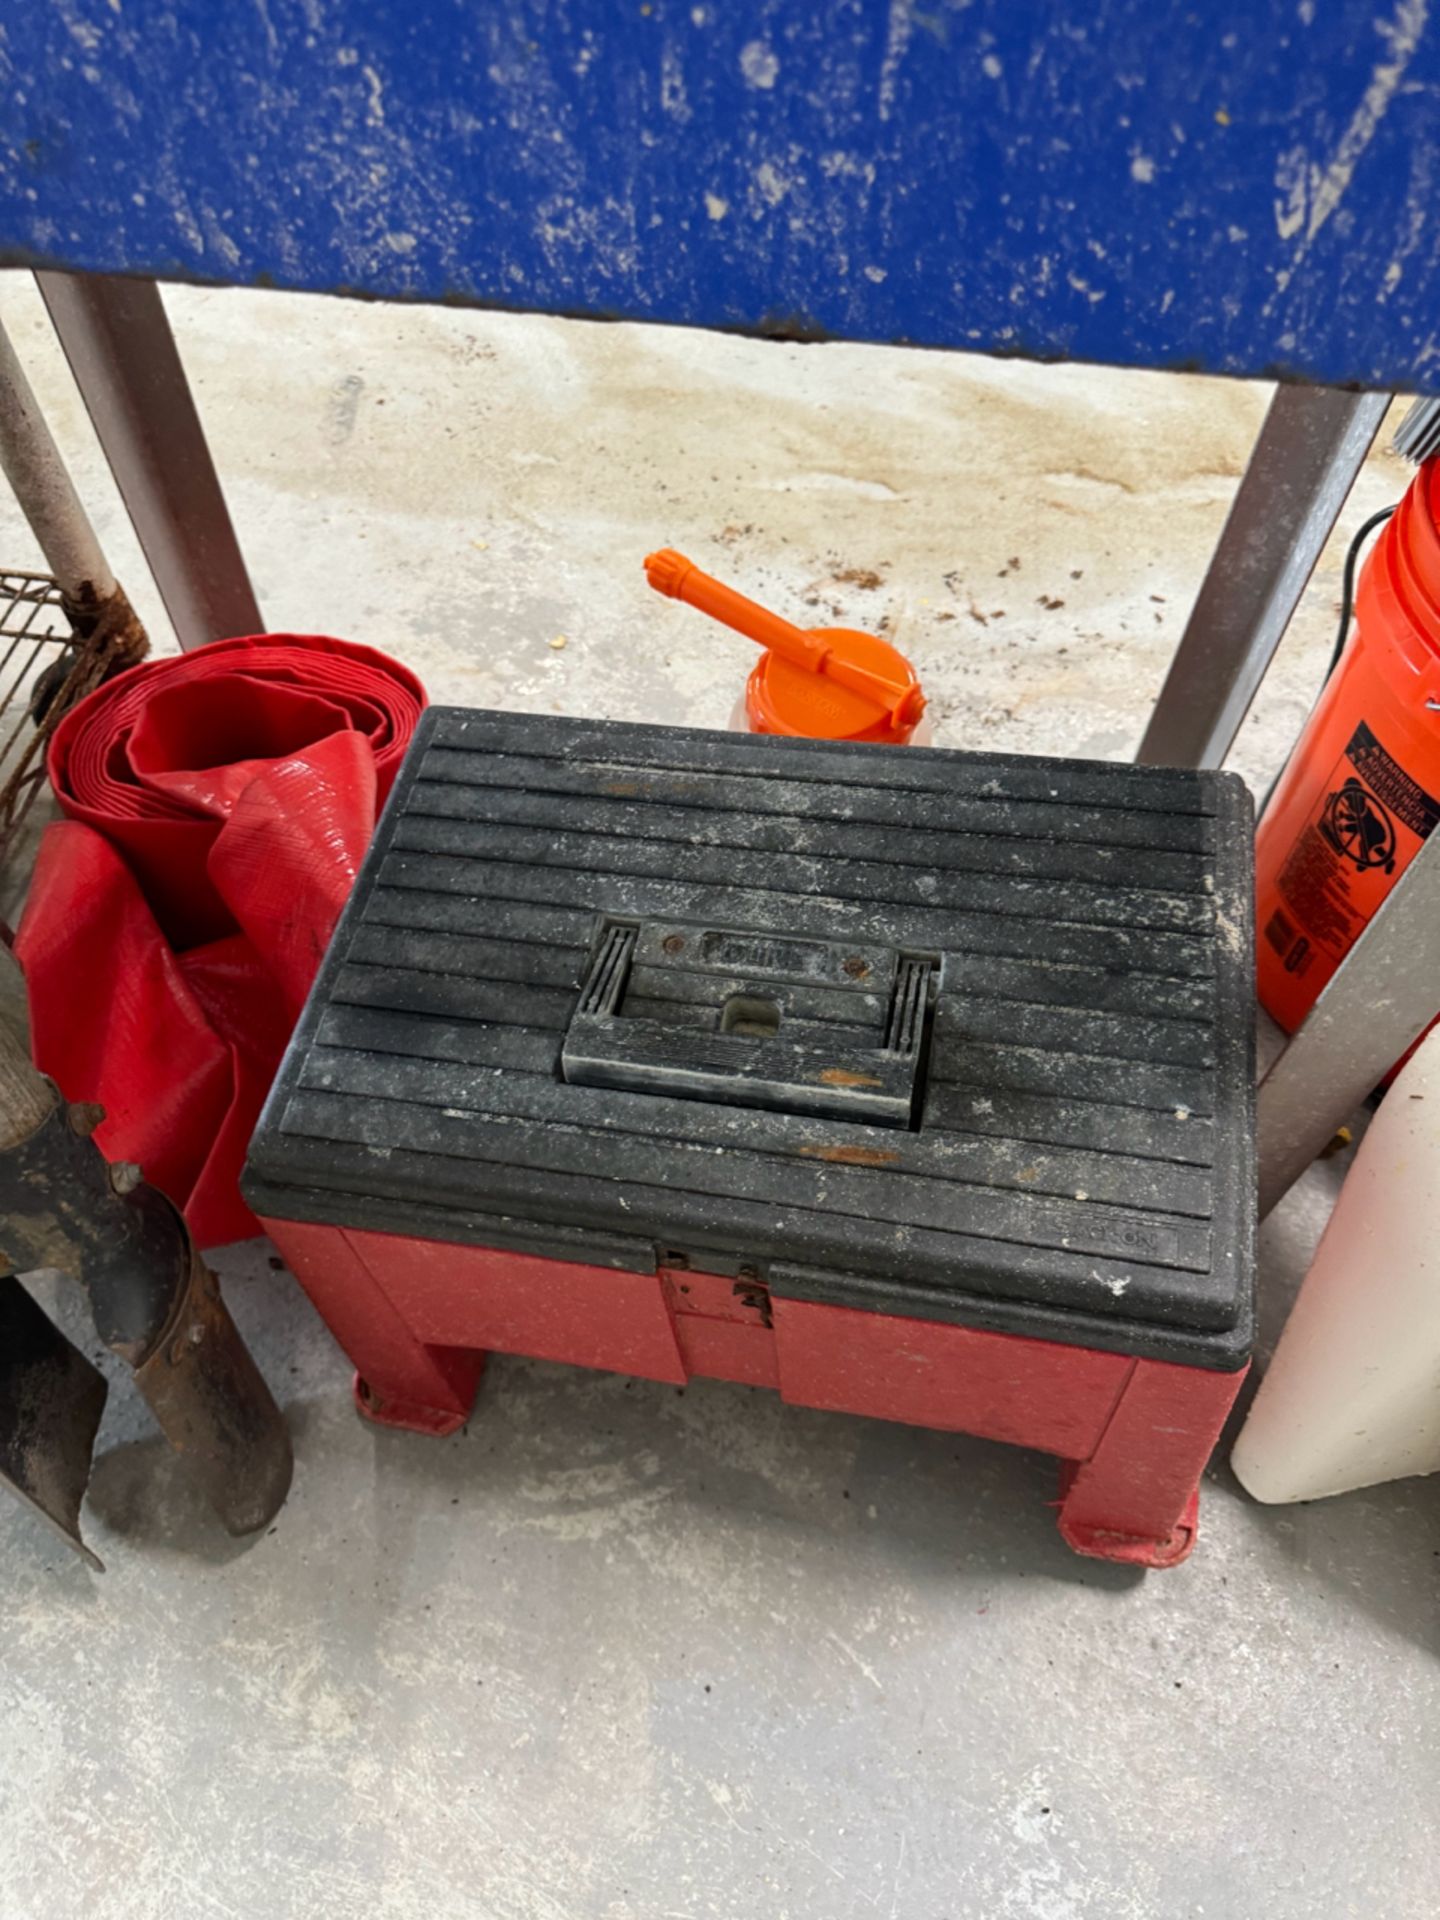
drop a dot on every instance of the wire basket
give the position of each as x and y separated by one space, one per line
44 669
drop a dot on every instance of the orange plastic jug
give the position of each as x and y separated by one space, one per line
829 683
1361 793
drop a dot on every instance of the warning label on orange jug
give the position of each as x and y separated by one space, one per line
1370 821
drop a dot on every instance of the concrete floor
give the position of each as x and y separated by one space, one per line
616 1650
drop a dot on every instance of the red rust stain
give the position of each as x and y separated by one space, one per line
851 1156
839 1077
622 789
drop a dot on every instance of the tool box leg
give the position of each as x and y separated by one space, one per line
399 1381
1136 1499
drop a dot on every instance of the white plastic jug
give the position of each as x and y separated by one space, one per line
1352 1396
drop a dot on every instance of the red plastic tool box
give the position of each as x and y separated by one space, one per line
912 1084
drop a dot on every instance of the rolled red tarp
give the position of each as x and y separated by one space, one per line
218 806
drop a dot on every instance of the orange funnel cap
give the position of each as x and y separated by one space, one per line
830 683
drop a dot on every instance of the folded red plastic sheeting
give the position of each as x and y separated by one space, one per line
218 805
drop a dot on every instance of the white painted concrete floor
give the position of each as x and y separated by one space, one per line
618 1651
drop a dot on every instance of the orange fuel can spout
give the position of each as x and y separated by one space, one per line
671 573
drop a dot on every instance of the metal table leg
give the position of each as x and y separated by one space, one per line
122 354
43 489
1310 449
1386 993
1417 437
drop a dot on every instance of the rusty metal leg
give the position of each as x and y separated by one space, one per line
213 1406
1312 445
154 1301
123 356
51 1399
155 1304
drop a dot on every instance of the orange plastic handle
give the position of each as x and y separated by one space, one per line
671 573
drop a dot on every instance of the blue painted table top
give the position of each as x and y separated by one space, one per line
1245 188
